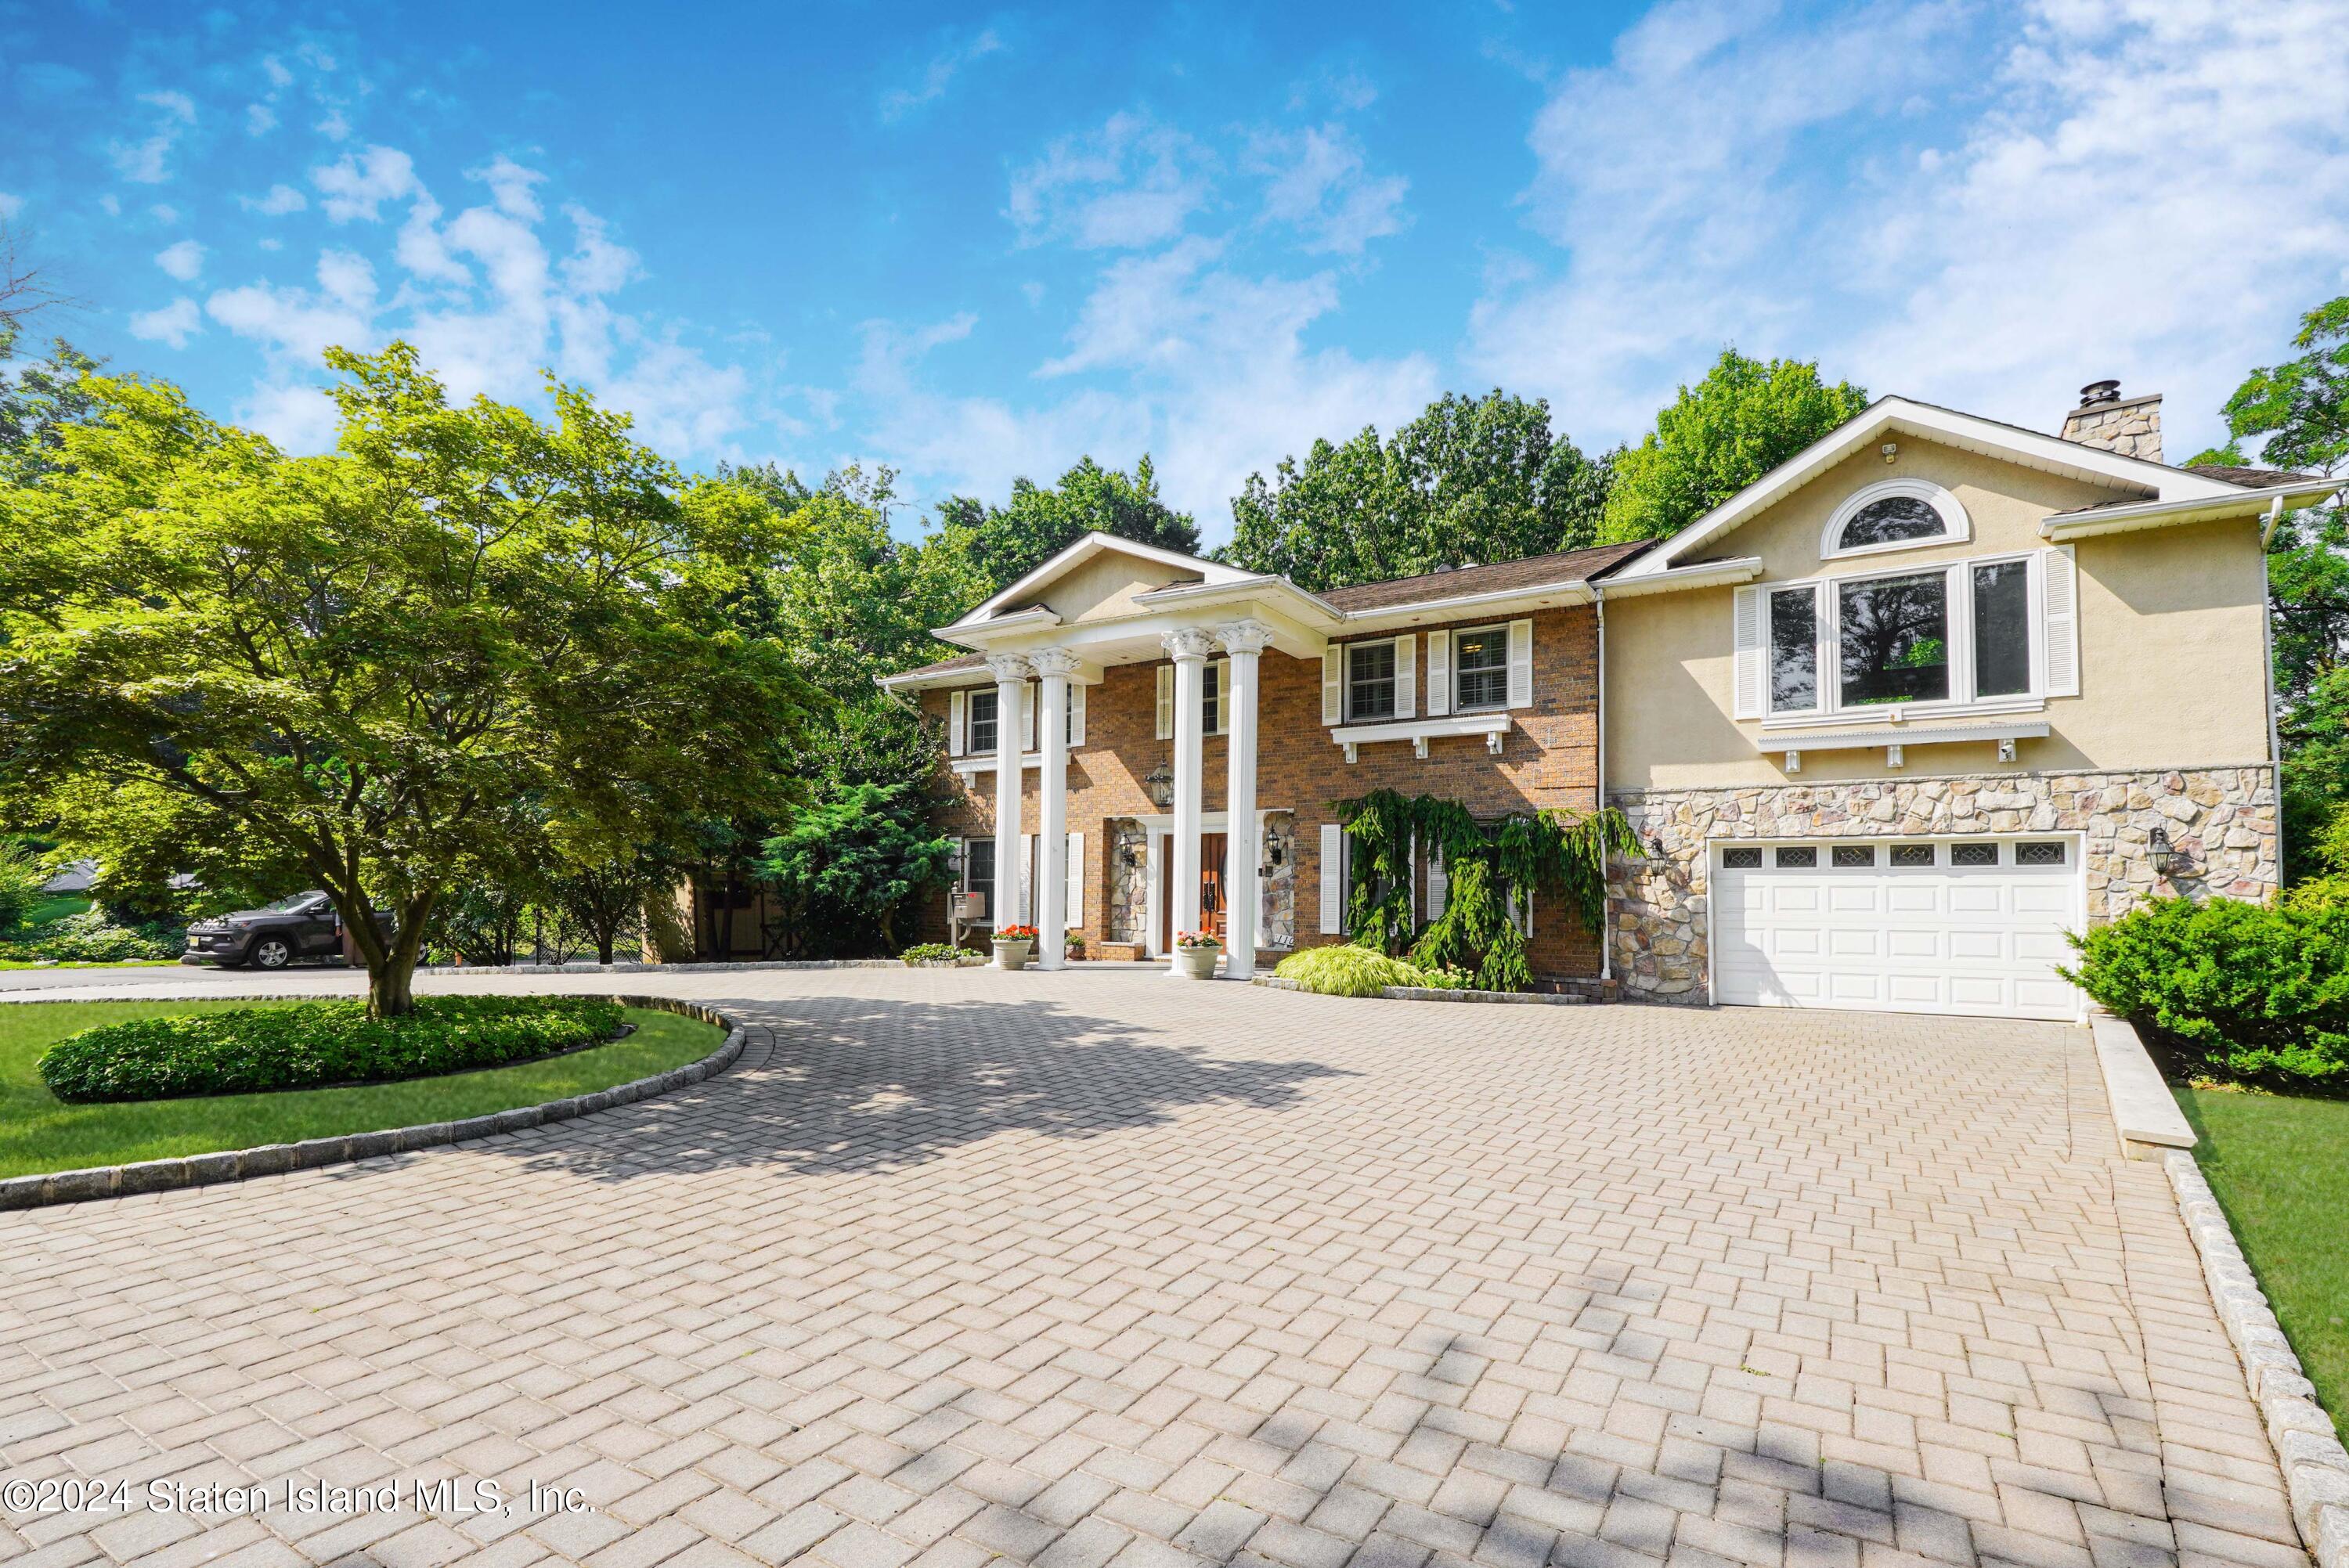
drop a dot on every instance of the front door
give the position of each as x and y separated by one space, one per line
1212 849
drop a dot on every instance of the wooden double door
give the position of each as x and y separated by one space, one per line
1214 850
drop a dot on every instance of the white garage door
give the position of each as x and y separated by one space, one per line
1897 925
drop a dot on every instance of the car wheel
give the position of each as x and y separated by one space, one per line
272 952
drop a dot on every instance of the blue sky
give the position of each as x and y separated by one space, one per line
972 245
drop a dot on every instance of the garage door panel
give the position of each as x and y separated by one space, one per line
1940 938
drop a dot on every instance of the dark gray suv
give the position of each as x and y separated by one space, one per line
304 925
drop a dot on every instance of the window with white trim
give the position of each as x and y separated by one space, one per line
1370 680
980 713
1970 631
1480 670
1896 514
978 869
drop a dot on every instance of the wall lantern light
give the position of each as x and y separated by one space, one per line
1160 783
2166 859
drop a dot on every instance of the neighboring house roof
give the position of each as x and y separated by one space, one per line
1501 576
973 662
2252 479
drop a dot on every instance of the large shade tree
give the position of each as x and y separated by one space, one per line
1469 481
355 665
1745 417
996 545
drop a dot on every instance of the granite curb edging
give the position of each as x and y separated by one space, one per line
312 1154
2315 1465
1442 993
680 968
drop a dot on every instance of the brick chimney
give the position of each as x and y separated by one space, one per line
2129 426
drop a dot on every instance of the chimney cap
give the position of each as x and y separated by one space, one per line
2097 392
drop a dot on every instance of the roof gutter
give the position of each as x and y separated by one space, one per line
1710 575
2275 499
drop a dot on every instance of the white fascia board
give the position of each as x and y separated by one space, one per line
1710 574
990 632
1967 431
1092 544
2249 504
1307 608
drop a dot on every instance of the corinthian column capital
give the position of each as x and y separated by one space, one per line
1187 643
1055 662
1245 636
1008 667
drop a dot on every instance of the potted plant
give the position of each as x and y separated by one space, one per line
1012 945
1195 953
1073 950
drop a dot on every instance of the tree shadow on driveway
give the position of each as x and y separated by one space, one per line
841 1084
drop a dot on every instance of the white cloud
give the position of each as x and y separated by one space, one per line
10 205
279 77
297 417
1201 366
1317 181
510 187
163 212
357 184
940 73
175 324
1132 183
281 200
260 119
296 324
2149 188
335 128
183 261
178 106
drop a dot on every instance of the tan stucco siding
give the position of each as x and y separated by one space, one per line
2171 644
1105 587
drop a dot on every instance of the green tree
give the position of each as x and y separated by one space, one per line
37 401
1714 439
604 894
357 664
1468 481
846 866
992 546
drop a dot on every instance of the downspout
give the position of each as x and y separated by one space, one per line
2267 629
1607 916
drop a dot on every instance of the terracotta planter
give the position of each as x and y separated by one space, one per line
1012 954
1196 963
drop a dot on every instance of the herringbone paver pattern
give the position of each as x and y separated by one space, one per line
1102 1268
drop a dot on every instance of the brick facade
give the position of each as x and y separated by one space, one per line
1548 761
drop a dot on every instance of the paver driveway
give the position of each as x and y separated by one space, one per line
1105 1267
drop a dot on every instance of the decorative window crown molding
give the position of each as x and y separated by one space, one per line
1956 526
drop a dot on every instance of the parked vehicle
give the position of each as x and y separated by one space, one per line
303 926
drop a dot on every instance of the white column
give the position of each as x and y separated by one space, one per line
1244 641
1190 649
1053 668
1010 678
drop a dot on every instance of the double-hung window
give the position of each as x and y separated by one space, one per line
1480 670
978 869
1369 680
1965 632
981 712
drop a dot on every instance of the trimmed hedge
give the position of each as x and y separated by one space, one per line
2248 991
1350 971
245 1050
86 938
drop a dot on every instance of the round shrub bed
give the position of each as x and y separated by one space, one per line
317 1044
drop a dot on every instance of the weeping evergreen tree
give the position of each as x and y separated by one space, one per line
1490 868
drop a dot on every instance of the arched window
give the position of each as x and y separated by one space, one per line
1892 515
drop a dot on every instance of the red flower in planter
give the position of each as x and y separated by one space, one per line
1015 933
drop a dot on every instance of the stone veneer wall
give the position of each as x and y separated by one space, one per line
2223 820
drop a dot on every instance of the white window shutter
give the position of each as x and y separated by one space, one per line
1439 674
1333 879
1439 885
1223 725
1076 713
955 725
1026 913
1752 642
1167 702
1333 685
1076 882
1521 664
1027 715
1407 675
2060 598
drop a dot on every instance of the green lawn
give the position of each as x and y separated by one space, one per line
38 1132
2280 1165
80 964
55 906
